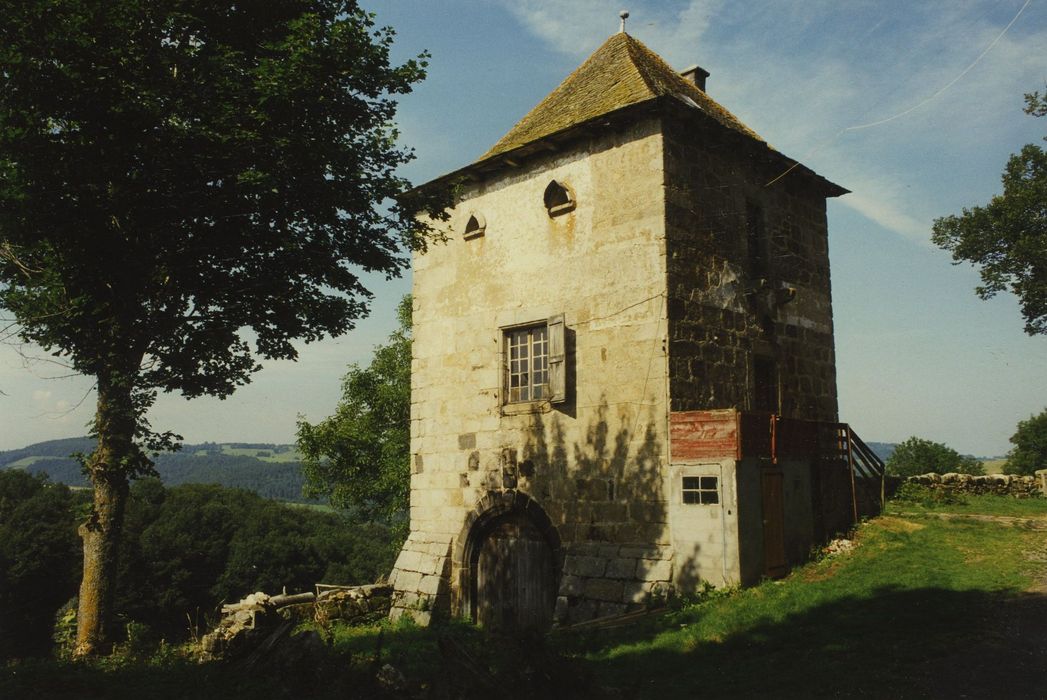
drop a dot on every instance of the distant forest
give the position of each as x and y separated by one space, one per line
269 470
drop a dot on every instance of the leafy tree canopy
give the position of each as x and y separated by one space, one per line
359 457
190 547
187 187
38 562
919 456
1007 238
1029 453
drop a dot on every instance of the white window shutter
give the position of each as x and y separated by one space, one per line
557 366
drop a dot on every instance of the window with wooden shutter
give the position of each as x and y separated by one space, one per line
557 366
534 362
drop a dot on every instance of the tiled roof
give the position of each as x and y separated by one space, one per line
620 73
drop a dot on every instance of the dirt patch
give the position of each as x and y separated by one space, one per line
893 524
1027 523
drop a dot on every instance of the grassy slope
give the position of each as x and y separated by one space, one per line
867 622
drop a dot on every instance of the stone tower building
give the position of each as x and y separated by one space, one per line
624 375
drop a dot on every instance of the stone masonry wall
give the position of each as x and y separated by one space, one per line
593 466
720 313
601 580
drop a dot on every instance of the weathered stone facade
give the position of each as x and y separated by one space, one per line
748 275
637 272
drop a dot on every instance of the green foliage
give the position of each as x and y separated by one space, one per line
175 172
1030 446
359 457
192 546
919 456
185 550
39 560
1005 237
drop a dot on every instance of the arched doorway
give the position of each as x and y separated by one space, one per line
510 565
515 581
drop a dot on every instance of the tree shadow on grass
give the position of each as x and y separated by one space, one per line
896 643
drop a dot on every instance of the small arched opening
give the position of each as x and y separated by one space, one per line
509 564
475 226
558 199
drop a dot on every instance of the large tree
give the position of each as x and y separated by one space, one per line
1007 238
359 457
187 186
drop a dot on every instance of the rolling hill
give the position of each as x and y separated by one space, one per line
270 470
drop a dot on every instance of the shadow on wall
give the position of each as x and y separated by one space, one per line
608 488
604 494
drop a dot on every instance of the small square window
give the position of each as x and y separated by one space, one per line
702 490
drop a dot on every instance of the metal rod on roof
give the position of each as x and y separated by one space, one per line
624 14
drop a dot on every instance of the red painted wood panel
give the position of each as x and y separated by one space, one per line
703 434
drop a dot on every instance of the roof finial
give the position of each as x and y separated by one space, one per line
624 14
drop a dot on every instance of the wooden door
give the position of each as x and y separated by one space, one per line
775 564
515 580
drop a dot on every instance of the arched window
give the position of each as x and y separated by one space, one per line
475 227
558 199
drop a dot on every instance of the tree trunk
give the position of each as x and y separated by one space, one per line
108 467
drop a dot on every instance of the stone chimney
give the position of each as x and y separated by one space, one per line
697 75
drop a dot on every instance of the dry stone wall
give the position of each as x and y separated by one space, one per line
259 618
997 484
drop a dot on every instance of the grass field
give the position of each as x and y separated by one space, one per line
924 606
25 462
994 466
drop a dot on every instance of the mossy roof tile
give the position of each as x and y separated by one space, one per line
622 72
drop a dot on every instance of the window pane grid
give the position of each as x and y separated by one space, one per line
528 363
701 490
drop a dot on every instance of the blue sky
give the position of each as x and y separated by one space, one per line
914 106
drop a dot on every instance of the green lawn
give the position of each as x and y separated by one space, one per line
918 499
922 607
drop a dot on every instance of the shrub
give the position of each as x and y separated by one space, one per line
919 456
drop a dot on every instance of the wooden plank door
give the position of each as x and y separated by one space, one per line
775 564
515 580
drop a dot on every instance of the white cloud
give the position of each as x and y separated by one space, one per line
578 27
886 212
40 395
